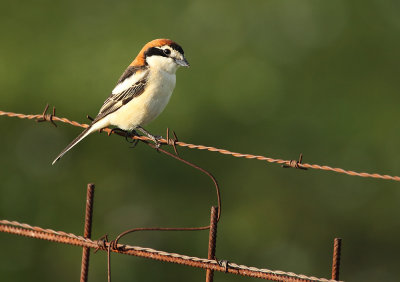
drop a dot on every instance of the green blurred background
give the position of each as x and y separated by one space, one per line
274 78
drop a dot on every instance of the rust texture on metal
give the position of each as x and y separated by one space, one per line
87 233
337 248
212 241
72 239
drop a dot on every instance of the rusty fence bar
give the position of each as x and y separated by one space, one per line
212 239
337 246
71 239
87 232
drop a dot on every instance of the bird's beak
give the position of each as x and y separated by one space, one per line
183 62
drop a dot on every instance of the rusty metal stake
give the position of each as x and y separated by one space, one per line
337 245
87 232
212 239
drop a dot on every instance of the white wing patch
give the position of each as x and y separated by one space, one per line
128 82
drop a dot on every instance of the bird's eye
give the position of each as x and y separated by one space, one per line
167 52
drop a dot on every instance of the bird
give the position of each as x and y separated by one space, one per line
141 93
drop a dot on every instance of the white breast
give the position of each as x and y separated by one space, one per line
146 107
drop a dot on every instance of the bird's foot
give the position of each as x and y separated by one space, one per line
155 138
129 137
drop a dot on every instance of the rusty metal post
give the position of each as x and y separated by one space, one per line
87 232
212 239
337 245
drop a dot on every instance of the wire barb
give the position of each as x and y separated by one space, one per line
47 117
295 164
172 141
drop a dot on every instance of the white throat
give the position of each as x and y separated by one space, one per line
162 63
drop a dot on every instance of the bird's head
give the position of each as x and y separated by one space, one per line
163 54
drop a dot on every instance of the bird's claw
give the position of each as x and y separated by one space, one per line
133 141
156 139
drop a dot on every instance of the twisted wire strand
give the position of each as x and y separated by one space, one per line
49 231
126 248
289 163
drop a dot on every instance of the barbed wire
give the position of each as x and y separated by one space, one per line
23 229
285 163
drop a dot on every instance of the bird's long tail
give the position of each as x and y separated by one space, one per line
84 133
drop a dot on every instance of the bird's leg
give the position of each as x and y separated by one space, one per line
155 139
117 130
128 135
